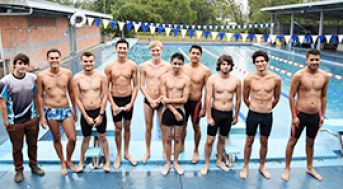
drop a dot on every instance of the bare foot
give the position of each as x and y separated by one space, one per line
166 169
244 173
178 169
117 163
130 159
80 168
204 170
285 174
71 166
314 174
145 158
223 167
195 157
107 168
64 170
265 173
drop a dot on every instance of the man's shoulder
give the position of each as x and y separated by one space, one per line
324 73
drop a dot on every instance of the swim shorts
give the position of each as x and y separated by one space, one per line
192 109
57 114
265 120
222 120
121 102
87 129
168 118
311 121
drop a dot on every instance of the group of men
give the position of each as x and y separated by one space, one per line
174 91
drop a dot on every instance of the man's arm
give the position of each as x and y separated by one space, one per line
109 93
164 95
209 88
105 93
72 94
246 91
323 99
238 96
3 110
135 85
294 89
203 110
277 92
40 99
142 76
77 97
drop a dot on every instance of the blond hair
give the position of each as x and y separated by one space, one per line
154 44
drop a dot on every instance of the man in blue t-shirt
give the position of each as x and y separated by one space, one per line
18 106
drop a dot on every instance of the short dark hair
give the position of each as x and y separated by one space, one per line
178 56
86 54
122 40
226 58
22 57
313 52
53 50
196 47
259 53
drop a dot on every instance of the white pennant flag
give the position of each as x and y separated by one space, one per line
258 36
340 37
222 27
90 21
105 22
301 38
199 33
228 36
210 27
261 25
244 26
273 38
152 29
327 37
167 31
244 36
239 26
136 26
314 37
287 37
121 25
256 25
183 32
214 35
193 27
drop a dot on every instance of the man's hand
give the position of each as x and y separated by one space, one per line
202 112
295 121
98 120
178 116
116 110
128 107
210 121
234 120
89 120
321 121
6 123
43 122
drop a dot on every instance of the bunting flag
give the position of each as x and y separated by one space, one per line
244 36
228 36
334 38
314 38
327 37
221 35
136 26
206 33
294 38
308 38
105 22
144 27
321 38
160 29
236 35
301 38
340 38
113 24
191 32
287 38
199 33
167 31
121 25
265 38
175 31
251 37
152 29
90 21
97 22
183 32
129 26
258 36
214 35
280 38
272 38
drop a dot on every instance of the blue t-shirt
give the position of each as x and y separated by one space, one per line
19 93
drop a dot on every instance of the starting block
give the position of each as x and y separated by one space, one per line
335 127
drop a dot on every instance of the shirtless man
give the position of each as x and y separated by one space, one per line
53 85
175 90
91 91
122 75
220 92
150 80
310 86
198 74
261 93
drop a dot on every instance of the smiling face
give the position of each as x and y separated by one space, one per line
195 55
261 64
313 62
88 63
20 68
54 59
122 50
176 65
156 53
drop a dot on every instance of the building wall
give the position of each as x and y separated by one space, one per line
35 34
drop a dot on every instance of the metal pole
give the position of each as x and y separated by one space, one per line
320 27
272 24
292 25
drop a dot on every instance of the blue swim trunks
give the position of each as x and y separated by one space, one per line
58 114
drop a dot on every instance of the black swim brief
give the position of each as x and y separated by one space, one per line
122 102
192 109
87 129
222 120
265 120
311 121
147 103
168 118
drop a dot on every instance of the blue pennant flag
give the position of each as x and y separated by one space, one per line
144 27
265 37
221 35
184 26
251 37
175 31
294 38
237 36
236 27
280 37
97 22
334 38
160 29
191 33
321 38
129 26
206 33
113 24
225 27
308 38
173 26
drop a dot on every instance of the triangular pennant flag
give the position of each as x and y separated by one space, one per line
152 29
327 37
228 36
314 38
129 26
121 25
113 24
251 37
105 22
144 27
221 35
287 37
261 25
214 35
199 33
175 31
90 21
244 36
273 38
160 29
183 32
321 38
97 22
334 38
340 38
167 31
193 27
244 26
239 26
136 26
265 38
256 25
236 36
308 38
280 38
258 37
294 38
191 33
206 33
301 38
